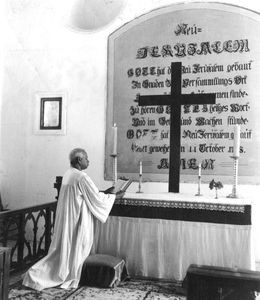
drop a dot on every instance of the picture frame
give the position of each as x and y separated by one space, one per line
50 114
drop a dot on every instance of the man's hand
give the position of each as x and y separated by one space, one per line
110 190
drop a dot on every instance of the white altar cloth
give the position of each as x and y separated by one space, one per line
164 248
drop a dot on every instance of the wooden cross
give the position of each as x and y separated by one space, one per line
175 100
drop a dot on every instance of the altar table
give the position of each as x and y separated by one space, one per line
161 238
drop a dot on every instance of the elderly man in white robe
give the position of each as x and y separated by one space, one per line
79 203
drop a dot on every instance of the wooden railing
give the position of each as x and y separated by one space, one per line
28 233
4 272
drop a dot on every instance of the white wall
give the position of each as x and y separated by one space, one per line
43 54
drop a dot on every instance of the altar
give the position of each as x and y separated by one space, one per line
160 235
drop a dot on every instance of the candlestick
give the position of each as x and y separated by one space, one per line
114 151
200 169
140 177
236 147
114 156
235 177
199 181
140 168
235 157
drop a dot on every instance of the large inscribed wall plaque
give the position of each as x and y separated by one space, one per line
218 47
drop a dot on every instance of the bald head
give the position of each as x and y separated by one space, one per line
76 156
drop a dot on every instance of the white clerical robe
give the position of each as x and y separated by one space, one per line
79 203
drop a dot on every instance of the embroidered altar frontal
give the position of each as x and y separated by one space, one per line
237 214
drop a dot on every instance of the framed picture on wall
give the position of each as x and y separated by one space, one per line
51 113
50 116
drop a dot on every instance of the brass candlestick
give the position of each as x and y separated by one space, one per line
114 156
199 183
140 184
235 177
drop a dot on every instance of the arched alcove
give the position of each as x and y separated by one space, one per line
216 57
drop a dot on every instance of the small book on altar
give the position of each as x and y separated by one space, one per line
122 184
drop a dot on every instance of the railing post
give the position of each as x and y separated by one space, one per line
57 185
4 272
48 229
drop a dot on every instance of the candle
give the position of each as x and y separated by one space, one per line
140 168
236 147
114 128
199 169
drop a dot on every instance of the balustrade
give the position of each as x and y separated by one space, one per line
27 232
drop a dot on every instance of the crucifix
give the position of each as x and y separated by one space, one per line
176 99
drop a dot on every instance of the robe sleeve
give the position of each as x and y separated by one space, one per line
99 204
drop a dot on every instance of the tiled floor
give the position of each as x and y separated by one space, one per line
133 288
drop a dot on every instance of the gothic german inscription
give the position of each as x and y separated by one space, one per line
215 58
